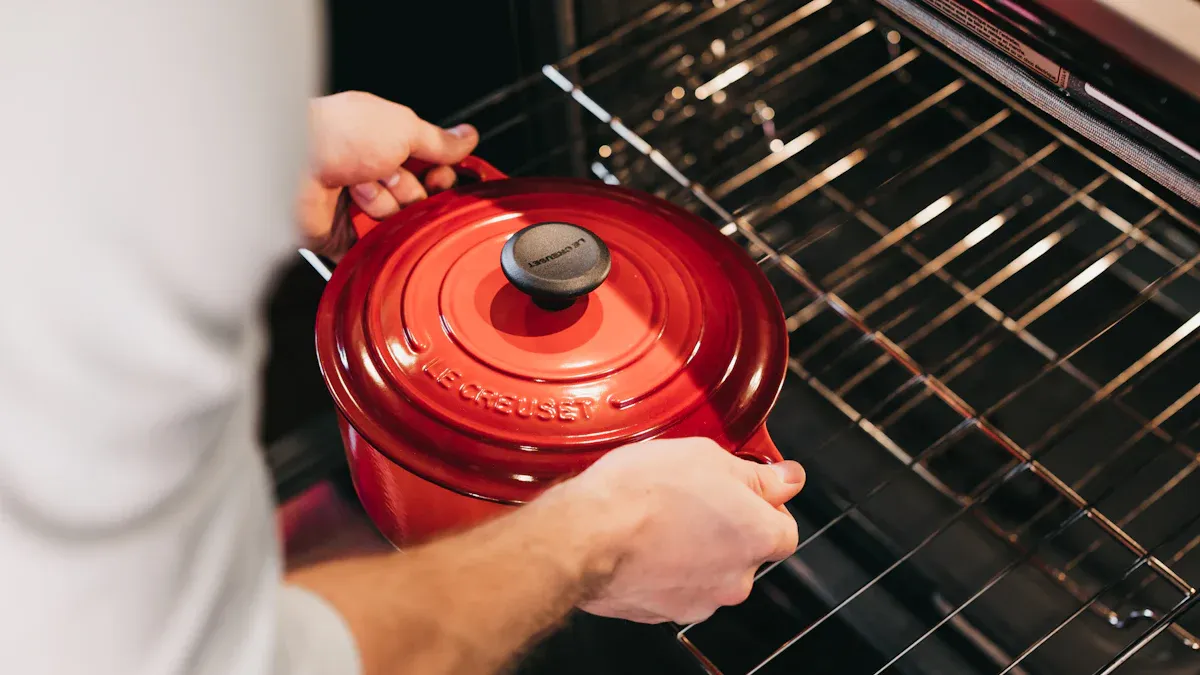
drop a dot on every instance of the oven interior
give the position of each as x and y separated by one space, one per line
993 321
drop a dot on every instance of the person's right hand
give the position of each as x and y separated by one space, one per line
360 142
699 523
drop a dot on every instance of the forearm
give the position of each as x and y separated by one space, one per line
471 602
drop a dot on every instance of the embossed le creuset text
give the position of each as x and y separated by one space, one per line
503 403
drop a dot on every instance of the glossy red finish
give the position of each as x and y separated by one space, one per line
457 390
405 507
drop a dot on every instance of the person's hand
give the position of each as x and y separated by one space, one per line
703 522
359 142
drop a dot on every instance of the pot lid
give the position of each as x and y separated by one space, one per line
500 336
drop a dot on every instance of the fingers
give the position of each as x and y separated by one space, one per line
359 137
380 199
738 590
777 483
439 178
784 536
405 187
374 199
427 142
436 145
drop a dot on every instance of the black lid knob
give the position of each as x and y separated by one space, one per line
555 263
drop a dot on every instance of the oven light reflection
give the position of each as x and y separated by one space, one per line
800 142
843 165
1082 279
1091 272
1115 220
317 264
755 380
590 105
504 217
1158 350
780 151
604 174
908 227
403 356
722 80
984 231
1035 251
932 211
810 186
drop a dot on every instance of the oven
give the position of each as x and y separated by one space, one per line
982 218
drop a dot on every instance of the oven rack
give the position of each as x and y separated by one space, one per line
996 309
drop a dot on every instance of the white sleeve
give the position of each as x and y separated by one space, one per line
149 153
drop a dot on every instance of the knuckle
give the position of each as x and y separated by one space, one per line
695 615
736 592
787 538
747 587
778 539
790 535
356 97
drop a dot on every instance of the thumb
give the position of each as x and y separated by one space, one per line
438 146
777 483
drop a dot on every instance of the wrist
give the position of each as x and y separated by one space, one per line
596 528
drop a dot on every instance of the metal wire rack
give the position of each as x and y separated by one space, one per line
993 335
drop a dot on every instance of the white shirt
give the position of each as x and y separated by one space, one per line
149 155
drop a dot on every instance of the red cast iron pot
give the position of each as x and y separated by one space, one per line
503 335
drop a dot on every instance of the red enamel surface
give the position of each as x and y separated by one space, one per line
446 373
406 508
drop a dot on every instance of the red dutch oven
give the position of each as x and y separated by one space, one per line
501 336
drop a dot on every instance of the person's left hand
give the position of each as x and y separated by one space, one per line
359 142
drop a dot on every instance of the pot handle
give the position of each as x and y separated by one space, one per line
760 448
471 168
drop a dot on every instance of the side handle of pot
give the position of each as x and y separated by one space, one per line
760 448
471 168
